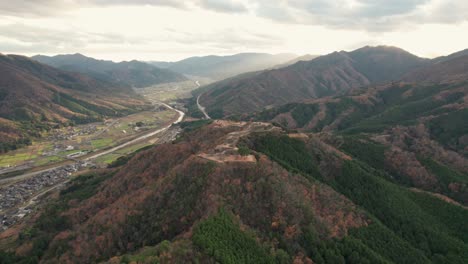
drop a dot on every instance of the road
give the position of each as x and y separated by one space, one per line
123 145
26 175
202 109
13 212
179 119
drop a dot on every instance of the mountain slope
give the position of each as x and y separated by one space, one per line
233 192
417 130
35 96
454 68
221 67
131 73
451 56
326 75
307 57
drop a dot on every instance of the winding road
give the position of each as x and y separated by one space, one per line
179 119
123 145
202 109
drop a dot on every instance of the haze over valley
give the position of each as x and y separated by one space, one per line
233 131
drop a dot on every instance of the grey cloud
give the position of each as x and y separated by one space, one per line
275 11
370 15
20 38
449 11
385 8
8 47
30 7
173 3
23 38
52 7
227 6
226 38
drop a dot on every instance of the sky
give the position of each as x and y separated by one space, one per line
170 30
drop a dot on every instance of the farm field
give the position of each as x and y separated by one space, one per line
71 142
168 92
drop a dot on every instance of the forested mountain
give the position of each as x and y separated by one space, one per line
36 97
237 192
221 67
451 56
377 174
131 73
326 75
404 120
441 71
417 131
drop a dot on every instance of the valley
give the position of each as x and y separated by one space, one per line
351 157
233 132
62 154
72 142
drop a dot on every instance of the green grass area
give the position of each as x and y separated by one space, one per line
25 154
12 160
120 154
107 159
49 159
34 151
101 143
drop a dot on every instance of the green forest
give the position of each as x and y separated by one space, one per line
408 227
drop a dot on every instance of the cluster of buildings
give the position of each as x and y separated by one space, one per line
17 194
72 132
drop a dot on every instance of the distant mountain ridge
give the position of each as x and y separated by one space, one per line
35 96
454 55
221 67
350 174
307 57
452 68
132 73
323 76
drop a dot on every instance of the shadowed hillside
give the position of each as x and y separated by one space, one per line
130 73
221 67
326 75
233 192
453 68
416 132
35 97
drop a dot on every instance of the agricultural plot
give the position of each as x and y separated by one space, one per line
168 92
71 142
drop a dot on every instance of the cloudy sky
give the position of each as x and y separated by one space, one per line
175 29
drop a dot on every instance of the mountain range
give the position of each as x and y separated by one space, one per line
221 67
326 75
35 97
306 57
131 73
352 157
248 192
